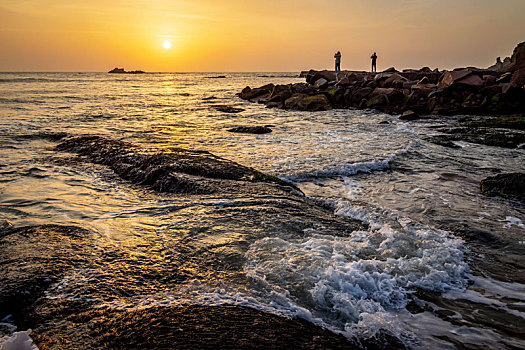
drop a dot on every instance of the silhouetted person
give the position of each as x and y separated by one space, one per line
337 57
374 62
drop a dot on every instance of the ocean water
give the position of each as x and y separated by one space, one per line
429 228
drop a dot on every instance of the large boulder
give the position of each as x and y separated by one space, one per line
518 78
377 101
517 60
396 80
304 102
393 94
505 185
314 76
260 93
463 78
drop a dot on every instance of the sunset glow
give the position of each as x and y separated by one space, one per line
166 44
238 35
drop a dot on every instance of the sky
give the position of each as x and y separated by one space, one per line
255 36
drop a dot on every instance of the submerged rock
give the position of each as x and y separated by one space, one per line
251 129
505 185
174 171
228 109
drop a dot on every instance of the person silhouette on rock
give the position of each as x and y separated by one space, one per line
374 62
337 57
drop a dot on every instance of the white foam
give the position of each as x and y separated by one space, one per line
353 282
17 341
513 221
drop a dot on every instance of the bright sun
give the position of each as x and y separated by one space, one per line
166 44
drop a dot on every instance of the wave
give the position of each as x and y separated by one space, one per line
353 283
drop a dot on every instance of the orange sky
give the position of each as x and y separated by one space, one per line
246 35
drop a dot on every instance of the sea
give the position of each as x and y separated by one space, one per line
432 243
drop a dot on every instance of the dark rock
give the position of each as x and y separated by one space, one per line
518 78
260 93
251 129
505 78
178 171
517 60
321 83
377 100
228 109
505 185
304 102
390 70
409 115
123 71
464 77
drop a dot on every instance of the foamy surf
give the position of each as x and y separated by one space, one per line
354 283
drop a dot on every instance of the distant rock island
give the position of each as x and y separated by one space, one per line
123 71
493 91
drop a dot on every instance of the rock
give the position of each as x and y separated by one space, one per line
304 102
489 79
505 78
464 77
394 95
228 109
321 83
390 70
395 80
123 71
251 129
378 100
5 224
313 76
344 82
517 60
280 93
358 95
409 115
423 90
518 78
505 185
179 171
260 93
423 80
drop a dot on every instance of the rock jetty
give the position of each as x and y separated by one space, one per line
123 71
496 90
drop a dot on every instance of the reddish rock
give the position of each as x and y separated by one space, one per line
464 77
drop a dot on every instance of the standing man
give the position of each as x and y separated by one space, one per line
374 62
337 57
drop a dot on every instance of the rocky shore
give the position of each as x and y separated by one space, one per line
496 90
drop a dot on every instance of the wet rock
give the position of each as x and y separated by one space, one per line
409 115
304 102
228 109
260 93
31 259
251 129
505 185
177 171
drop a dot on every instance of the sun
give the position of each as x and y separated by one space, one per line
166 44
